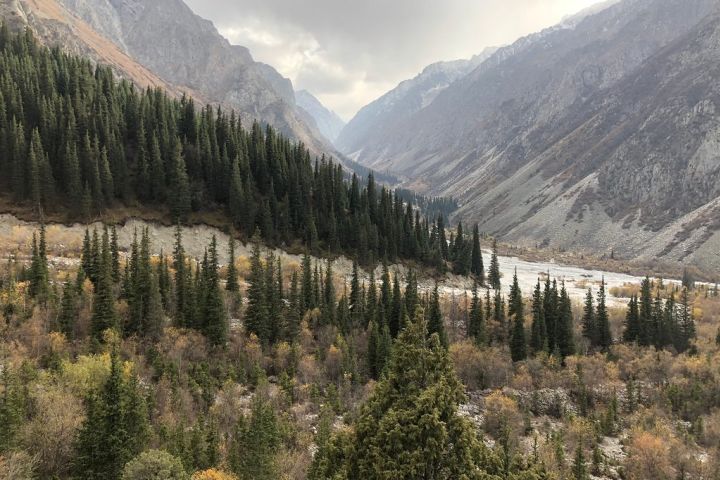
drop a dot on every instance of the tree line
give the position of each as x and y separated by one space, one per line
74 139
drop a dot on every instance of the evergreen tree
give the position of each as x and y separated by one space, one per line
518 347
256 316
494 270
477 267
604 337
644 313
294 312
214 319
115 253
476 322
538 337
255 443
579 469
435 320
115 429
356 298
589 328
68 312
104 316
39 283
632 321
232 276
180 187
685 323
415 404
564 329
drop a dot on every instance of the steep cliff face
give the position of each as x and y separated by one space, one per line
600 133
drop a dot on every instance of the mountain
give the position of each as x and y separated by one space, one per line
326 120
597 134
407 98
163 43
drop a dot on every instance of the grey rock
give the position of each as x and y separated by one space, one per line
599 134
327 121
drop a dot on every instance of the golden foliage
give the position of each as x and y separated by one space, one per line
213 474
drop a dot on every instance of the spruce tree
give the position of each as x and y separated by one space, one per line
356 300
294 311
417 405
215 326
632 321
255 443
644 313
494 270
232 275
435 323
604 337
538 335
518 347
589 328
115 429
103 316
68 311
564 329
477 267
579 469
476 322
256 316
179 186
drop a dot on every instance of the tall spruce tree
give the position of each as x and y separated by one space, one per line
476 263
435 324
538 335
494 270
214 318
604 337
564 329
115 429
589 327
257 316
430 438
476 322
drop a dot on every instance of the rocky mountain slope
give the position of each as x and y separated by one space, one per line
163 43
327 121
600 133
53 24
403 101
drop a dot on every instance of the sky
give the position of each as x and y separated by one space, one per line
349 52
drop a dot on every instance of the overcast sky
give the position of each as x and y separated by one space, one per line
349 52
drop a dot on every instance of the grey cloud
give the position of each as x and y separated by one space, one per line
345 51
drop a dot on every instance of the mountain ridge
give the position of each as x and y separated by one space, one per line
545 120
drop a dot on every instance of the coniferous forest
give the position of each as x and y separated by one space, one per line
72 136
241 361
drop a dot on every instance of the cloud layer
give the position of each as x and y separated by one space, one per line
348 53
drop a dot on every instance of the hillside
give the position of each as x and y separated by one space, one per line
580 129
403 101
163 43
326 120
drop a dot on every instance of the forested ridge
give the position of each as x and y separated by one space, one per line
75 139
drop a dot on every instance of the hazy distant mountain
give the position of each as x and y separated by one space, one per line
404 100
162 42
326 120
600 133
